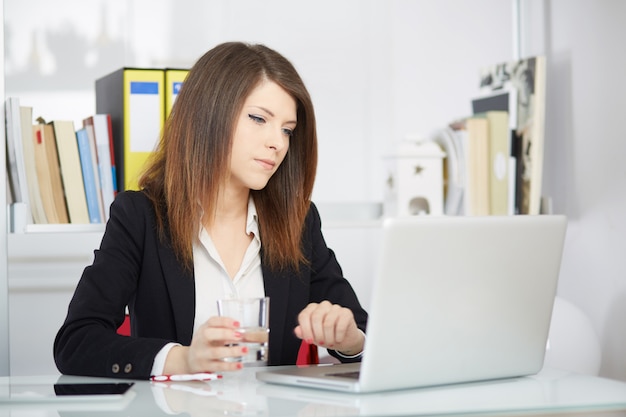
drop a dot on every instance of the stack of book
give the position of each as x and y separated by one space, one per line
61 173
495 156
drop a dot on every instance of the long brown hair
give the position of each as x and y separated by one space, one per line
184 174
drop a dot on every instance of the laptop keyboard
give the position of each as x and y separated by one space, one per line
349 375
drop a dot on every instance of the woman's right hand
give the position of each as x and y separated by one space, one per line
208 350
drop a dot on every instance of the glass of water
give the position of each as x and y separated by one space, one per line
253 317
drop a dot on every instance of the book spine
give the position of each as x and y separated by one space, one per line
88 176
15 154
103 147
112 153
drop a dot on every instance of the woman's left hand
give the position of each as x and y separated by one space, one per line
331 326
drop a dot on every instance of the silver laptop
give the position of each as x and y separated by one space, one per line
455 299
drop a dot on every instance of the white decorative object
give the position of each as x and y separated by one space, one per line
414 183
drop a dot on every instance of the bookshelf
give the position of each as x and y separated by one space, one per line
54 251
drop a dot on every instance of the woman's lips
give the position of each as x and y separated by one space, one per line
266 163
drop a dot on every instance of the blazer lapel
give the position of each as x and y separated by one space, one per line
181 287
277 289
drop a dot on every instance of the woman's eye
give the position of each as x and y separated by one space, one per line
288 132
256 119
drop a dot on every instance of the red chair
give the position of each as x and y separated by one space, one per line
124 329
307 355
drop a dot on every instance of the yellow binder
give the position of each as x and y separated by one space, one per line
135 99
173 81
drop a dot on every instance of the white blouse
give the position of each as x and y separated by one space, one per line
212 281
210 276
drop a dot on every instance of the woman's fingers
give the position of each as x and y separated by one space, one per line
215 346
223 358
325 324
218 336
221 321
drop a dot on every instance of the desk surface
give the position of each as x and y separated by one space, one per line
550 392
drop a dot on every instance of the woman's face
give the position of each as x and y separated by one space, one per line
262 134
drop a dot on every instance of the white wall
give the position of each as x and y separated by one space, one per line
584 170
379 70
376 70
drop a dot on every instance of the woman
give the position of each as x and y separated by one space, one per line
224 211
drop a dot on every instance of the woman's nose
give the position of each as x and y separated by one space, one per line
277 140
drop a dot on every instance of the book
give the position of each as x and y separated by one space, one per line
71 171
454 170
459 138
112 153
528 78
173 82
46 136
95 164
499 151
458 133
100 124
89 179
477 166
498 100
19 216
15 155
134 98
28 147
504 101
43 174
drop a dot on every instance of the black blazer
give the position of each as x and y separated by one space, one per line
134 267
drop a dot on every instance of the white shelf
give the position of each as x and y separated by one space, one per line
67 242
73 243
350 215
63 228
352 224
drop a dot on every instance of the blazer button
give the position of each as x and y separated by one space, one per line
115 368
128 368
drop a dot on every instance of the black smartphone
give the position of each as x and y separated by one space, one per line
108 388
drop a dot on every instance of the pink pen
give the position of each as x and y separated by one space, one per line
203 376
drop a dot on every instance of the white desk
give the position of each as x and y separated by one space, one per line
549 393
